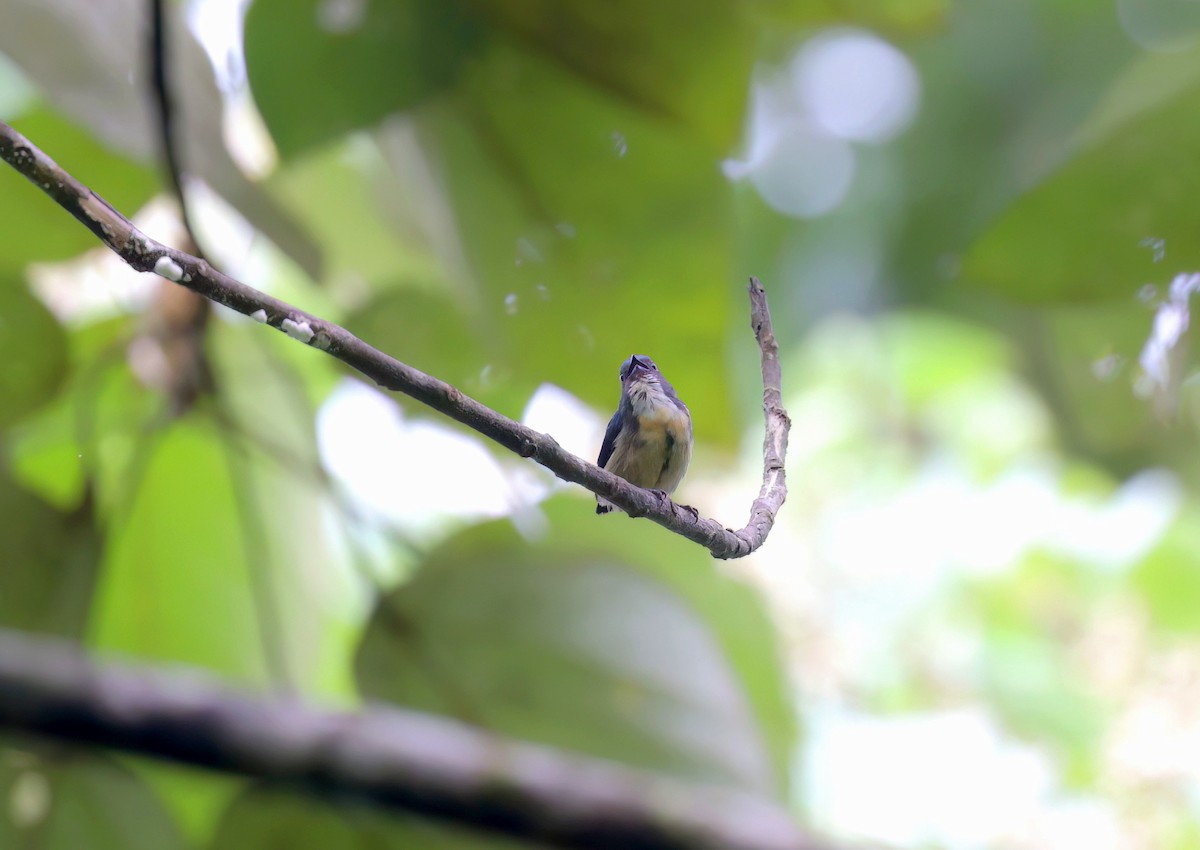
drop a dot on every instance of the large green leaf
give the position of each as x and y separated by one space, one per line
428 331
223 516
226 525
604 639
687 60
340 194
67 802
45 455
33 348
319 69
34 226
54 450
176 565
1083 358
1098 413
1120 211
269 436
604 233
87 57
51 561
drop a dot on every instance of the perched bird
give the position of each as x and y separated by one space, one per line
649 438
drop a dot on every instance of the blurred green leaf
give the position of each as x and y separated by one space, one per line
51 560
1027 668
598 639
602 234
918 15
319 69
427 330
732 609
317 73
222 518
956 381
86 57
1168 578
56 449
175 564
264 819
932 354
270 440
1084 360
685 60
33 348
1150 82
1030 682
68 802
34 226
339 193
195 798
45 455
1090 231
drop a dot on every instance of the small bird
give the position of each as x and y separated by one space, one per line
649 438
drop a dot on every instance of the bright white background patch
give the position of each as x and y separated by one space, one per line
842 86
855 85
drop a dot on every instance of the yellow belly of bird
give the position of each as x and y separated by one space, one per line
656 455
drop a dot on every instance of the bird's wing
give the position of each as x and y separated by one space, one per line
610 439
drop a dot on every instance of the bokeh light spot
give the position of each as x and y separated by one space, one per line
856 86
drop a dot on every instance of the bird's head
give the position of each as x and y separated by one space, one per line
638 368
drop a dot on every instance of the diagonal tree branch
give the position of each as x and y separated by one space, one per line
146 254
399 759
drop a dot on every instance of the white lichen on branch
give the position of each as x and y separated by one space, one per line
168 268
301 331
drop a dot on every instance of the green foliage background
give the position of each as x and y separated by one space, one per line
510 194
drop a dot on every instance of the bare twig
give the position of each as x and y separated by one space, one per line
774 487
145 254
399 759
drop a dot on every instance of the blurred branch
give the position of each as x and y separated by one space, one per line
178 321
145 254
398 759
160 88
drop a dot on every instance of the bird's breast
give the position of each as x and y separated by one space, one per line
656 453
663 420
